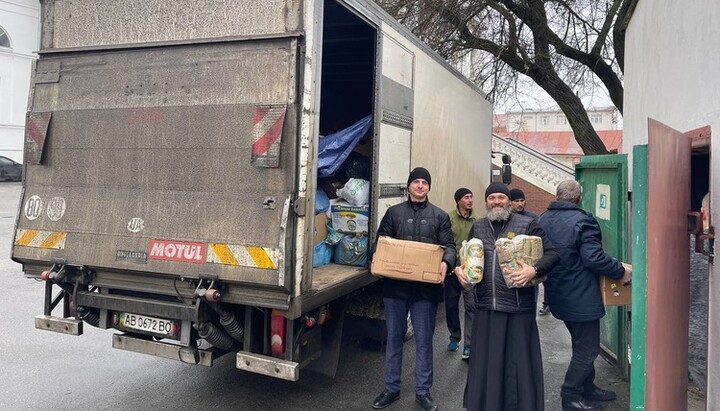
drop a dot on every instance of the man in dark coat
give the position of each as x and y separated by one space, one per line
506 370
415 220
573 291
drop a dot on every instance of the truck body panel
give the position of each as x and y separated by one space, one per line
173 172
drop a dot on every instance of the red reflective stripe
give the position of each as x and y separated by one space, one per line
259 114
261 145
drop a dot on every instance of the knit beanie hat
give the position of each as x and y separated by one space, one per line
516 194
460 193
419 172
497 187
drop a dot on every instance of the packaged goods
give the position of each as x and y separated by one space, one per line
356 192
352 250
350 219
527 248
472 256
613 293
322 254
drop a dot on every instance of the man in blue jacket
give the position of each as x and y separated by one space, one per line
417 220
573 291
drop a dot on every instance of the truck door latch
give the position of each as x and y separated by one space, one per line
269 203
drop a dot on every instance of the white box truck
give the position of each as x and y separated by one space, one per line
171 167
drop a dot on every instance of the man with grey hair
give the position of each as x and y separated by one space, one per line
573 291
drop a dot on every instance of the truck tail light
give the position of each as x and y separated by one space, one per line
277 333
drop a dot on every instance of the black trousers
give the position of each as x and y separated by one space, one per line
452 292
580 375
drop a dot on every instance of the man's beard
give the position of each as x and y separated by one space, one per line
497 216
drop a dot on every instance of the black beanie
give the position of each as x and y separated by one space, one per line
497 187
516 194
419 172
460 193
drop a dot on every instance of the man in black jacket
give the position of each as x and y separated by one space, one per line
573 291
506 370
415 220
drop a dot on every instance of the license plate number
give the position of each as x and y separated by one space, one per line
145 323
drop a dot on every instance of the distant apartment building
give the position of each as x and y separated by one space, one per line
549 132
19 40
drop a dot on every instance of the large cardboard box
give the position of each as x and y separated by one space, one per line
613 292
407 260
320 228
350 219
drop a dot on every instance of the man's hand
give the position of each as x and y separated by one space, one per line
627 276
443 271
462 277
524 274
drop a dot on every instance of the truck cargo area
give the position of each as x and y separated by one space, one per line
347 94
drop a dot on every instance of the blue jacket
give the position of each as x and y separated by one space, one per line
572 287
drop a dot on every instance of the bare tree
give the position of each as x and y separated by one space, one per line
567 47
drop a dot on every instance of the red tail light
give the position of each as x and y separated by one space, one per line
277 333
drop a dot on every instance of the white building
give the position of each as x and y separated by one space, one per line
605 118
19 40
671 76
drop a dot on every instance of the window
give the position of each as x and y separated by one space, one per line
544 120
596 118
4 38
560 120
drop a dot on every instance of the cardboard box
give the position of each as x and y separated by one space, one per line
350 219
614 293
320 228
407 260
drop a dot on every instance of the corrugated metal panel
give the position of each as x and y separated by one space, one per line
150 155
81 23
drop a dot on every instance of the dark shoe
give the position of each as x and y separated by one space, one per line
574 405
598 394
466 353
453 346
385 398
544 309
426 402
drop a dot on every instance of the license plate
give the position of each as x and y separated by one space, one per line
146 323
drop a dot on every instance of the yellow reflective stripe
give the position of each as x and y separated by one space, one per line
26 236
52 240
224 254
262 260
41 239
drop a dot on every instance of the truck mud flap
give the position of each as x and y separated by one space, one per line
188 355
265 365
69 326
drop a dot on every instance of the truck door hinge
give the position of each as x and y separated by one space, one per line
299 206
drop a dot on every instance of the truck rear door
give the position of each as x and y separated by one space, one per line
176 159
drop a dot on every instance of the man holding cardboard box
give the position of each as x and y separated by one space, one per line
573 291
418 221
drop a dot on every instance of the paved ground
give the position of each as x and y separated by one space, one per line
555 341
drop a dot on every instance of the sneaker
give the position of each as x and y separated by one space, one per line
544 309
453 346
466 353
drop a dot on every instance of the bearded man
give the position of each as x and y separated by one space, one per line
505 362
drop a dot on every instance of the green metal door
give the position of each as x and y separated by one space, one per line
604 193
